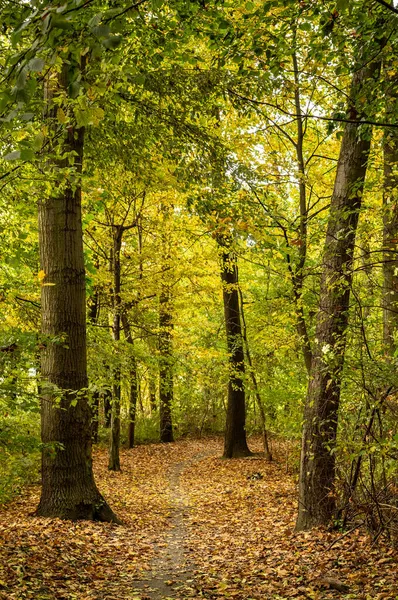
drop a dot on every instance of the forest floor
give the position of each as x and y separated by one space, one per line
195 526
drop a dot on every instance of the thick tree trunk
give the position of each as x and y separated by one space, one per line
317 469
114 447
235 444
165 365
68 487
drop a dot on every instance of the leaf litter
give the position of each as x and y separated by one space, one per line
195 526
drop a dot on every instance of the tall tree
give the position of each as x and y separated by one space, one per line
165 335
317 467
68 487
235 443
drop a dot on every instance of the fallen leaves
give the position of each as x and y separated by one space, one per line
237 531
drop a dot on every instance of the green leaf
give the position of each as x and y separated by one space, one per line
112 41
15 155
36 64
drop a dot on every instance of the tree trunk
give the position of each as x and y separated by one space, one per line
93 310
166 382
317 468
114 447
390 239
235 444
133 383
107 400
297 272
257 395
68 487
152 392
165 365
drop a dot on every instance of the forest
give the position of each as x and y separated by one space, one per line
198 299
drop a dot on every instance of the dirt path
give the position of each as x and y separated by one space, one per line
171 572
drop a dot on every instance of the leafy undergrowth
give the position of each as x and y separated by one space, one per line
239 536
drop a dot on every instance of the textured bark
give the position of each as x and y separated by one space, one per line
235 443
317 469
68 487
114 447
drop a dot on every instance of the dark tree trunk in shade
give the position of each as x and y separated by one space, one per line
165 365
235 443
317 468
166 383
93 311
114 447
257 395
152 392
133 376
68 487
107 401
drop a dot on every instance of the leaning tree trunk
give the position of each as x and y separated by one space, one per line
235 444
68 487
317 468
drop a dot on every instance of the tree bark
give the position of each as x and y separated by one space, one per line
166 382
133 383
297 273
390 237
93 310
257 395
68 487
165 365
317 468
114 447
235 443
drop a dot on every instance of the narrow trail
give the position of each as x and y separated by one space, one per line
172 569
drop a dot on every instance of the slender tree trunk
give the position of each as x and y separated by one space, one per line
93 309
297 272
317 468
390 240
152 392
114 456
107 400
235 443
165 365
133 382
68 487
257 395
166 382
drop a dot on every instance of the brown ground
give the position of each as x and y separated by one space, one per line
196 526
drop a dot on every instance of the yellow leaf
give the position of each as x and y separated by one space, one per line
61 116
